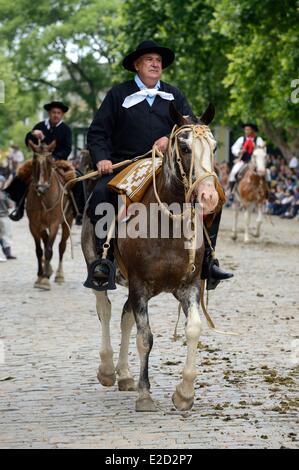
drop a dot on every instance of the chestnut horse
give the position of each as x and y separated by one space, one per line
44 212
251 192
156 265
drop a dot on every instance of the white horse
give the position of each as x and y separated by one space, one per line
251 192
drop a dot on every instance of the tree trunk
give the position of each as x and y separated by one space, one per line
277 136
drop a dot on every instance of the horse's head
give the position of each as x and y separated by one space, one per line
192 146
259 159
42 166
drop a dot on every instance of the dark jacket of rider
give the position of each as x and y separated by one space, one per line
62 134
119 133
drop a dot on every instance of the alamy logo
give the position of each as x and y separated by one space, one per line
295 93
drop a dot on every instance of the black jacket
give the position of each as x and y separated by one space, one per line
62 134
117 133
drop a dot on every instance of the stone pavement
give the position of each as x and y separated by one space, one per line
247 386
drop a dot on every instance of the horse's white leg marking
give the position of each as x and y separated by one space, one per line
59 277
183 397
259 220
247 215
125 378
106 373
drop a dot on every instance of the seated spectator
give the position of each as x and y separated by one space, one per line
286 203
294 208
293 163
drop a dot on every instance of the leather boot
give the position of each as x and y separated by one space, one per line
18 213
17 191
7 252
210 269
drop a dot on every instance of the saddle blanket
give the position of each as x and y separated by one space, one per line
134 180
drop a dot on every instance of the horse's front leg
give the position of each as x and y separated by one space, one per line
183 397
247 215
235 221
48 271
59 277
139 302
259 221
106 373
125 379
39 255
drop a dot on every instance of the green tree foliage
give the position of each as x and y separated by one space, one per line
68 37
263 62
200 52
17 107
240 54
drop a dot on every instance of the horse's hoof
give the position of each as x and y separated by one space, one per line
182 403
106 380
59 279
234 237
146 404
126 385
43 283
37 282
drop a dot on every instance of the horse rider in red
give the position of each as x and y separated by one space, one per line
243 149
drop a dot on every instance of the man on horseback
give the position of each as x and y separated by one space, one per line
47 131
134 117
243 149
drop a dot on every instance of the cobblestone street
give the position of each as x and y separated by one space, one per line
247 386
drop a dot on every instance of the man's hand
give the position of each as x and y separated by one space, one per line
104 167
162 144
38 134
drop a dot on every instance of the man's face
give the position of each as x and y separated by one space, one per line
248 131
149 66
55 115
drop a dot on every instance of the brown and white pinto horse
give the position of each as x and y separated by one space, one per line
44 212
251 193
156 265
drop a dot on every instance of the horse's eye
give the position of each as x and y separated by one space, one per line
184 148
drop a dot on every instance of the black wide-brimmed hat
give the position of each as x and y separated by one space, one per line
146 47
250 124
56 104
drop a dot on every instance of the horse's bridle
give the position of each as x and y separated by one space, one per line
49 209
199 131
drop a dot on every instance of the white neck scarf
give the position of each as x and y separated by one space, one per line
141 95
48 125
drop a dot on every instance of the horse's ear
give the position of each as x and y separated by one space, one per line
176 116
33 146
208 116
51 146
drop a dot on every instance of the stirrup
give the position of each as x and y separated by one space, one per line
16 214
98 284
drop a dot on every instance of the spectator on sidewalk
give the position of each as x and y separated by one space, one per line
5 227
15 158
